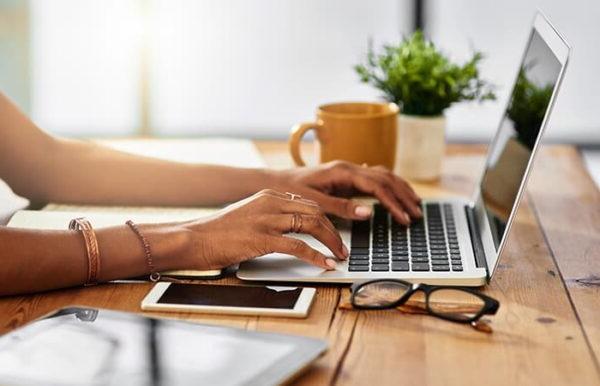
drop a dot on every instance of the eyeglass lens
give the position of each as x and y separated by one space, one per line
380 294
455 304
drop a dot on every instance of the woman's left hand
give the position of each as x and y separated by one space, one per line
332 183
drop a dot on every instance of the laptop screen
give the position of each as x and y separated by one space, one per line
511 150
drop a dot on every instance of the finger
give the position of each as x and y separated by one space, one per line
301 250
403 192
377 188
401 182
287 196
316 226
278 203
342 207
299 207
402 195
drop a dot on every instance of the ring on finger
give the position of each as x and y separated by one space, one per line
293 196
296 223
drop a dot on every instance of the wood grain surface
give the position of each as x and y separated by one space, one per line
547 331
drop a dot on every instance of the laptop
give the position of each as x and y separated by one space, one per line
458 241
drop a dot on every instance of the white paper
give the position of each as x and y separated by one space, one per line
219 151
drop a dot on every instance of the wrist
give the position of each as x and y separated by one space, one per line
170 244
265 179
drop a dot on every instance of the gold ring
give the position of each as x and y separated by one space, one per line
296 223
293 196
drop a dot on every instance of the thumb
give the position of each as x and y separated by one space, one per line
342 207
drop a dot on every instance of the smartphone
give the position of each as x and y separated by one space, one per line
292 302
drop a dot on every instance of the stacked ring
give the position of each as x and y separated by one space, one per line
296 223
293 196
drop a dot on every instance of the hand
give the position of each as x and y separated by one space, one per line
256 226
343 179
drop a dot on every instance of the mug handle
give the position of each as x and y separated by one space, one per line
296 135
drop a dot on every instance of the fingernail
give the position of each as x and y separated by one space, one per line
345 250
419 211
362 211
330 263
407 218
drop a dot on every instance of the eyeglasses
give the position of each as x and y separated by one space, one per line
455 304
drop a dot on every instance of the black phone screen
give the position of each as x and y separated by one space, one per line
231 296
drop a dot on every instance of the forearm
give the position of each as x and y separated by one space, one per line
43 168
34 260
86 173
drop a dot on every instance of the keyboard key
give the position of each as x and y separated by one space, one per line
400 258
437 268
437 247
359 262
420 267
420 254
380 261
359 257
380 267
439 262
381 255
358 268
400 266
380 250
457 267
359 251
420 259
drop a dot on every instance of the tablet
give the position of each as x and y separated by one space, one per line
86 346
284 301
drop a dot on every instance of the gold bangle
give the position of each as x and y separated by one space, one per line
91 248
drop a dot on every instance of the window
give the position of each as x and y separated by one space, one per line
226 67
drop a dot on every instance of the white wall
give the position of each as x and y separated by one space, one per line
257 67
85 66
225 67
500 29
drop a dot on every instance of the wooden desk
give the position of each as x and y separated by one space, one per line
547 331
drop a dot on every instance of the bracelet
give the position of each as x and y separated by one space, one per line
154 276
91 248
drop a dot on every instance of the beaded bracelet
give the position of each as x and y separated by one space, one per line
154 276
91 248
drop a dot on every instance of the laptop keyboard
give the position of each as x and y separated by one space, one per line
429 244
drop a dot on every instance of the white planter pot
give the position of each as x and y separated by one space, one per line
420 147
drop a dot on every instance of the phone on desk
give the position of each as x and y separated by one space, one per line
291 302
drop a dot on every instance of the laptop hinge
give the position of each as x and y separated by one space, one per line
478 251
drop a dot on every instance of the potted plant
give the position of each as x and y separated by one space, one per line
419 78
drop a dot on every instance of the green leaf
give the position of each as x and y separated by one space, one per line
420 78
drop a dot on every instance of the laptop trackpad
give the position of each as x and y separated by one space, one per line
288 265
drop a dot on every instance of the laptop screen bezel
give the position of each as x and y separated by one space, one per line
561 50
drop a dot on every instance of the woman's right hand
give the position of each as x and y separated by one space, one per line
256 226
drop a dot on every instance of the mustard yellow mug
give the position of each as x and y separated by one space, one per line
363 133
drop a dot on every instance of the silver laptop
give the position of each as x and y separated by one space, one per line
458 241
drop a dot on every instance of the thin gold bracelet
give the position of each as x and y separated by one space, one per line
154 276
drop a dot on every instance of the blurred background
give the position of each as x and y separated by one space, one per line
252 68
